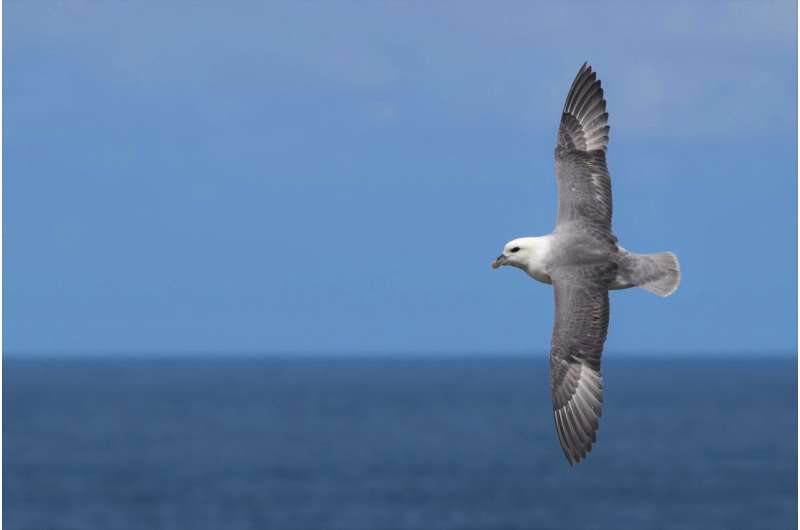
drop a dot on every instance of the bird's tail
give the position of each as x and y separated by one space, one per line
659 273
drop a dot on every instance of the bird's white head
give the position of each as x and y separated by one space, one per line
528 254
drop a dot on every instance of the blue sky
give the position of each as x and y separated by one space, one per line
302 177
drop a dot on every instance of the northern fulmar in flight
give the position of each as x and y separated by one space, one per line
582 259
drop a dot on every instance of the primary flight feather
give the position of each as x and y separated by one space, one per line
583 260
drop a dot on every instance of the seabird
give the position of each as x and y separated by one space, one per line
583 260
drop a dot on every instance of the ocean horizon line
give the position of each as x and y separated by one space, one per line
355 354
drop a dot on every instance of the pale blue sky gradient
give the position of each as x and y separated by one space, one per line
302 177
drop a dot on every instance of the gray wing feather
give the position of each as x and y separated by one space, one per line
584 184
579 332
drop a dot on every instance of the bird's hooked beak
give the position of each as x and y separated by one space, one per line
500 261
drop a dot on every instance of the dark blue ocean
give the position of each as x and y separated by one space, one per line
372 444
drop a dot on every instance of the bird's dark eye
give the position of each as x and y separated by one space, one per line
515 249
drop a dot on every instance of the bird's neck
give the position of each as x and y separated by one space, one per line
536 264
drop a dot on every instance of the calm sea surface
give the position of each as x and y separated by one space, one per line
312 444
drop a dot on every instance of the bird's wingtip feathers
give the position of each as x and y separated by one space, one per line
584 123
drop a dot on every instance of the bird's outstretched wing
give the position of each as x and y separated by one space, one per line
579 331
584 185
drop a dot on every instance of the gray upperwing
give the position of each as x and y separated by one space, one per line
579 332
584 184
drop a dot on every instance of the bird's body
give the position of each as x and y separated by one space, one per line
582 259
574 248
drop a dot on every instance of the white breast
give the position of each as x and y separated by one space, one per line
540 275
